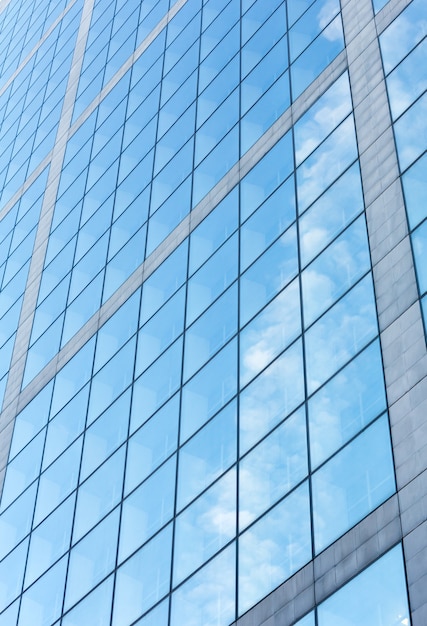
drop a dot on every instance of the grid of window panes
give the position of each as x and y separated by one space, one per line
229 421
405 64
31 103
206 88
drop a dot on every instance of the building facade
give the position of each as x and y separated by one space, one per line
213 304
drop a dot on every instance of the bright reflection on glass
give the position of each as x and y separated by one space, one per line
352 483
272 468
376 597
205 526
414 183
403 34
208 597
271 397
330 214
207 455
326 163
347 403
337 336
419 240
274 548
321 119
143 579
333 272
270 332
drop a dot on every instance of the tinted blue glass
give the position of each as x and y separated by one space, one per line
98 551
41 604
152 443
272 468
274 548
410 131
143 579
212 279
352 483
335 270
326 163
268 275
419 240
267 223
408 80
208 597
270 332
49 541
210 332
160 331
209 390
403 34
213 231
271 397
96 607
414 183
99 494
352 399
337 336
147 509
15 521
205 526
376 597
207 455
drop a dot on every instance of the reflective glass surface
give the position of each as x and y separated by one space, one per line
203 406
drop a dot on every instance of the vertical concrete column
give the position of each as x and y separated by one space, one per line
401 329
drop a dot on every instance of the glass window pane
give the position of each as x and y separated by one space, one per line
49 541
92 559
152 443
352 483
143 580
376 597
207 455
326 163
105 435
419 241
272 468
41 604
158 383
335 270
347 403
208 597
270 332
209 390
268 275
160 331
271 397
337 336
210 332
410 131
98 494
321 119
414 183
267 223
147 509
213 231
274 548
94 609
330 214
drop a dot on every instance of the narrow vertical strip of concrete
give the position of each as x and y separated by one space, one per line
399 313
23 335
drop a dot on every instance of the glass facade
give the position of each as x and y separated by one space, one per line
196 398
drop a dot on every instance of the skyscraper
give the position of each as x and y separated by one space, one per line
212 312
